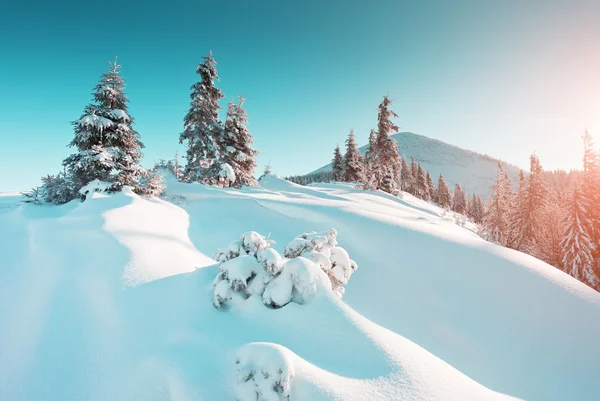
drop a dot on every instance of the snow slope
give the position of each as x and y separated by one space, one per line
112 299
472 170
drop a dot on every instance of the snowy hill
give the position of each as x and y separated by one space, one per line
112 299
472 170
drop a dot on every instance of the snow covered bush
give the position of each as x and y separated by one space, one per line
264 373
321 248
249 266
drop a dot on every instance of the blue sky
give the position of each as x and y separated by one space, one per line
503 78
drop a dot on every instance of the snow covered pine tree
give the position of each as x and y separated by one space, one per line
108 148
386 159
353 161
235 145
337 164
202 126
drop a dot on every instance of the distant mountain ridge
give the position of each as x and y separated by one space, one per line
474 171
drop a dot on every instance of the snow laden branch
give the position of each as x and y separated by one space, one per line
250 267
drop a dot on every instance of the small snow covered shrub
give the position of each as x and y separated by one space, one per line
321 248
249 266
264 372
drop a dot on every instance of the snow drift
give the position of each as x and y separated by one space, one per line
113 299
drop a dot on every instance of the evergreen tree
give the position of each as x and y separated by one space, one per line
235 145
337 165
405 176
459 200
530 209
414 173
421 184
386 159
268 170
475 209
442 193
552 235
353 161
514 211
576 245
369 167
590 191
495 220
109 149
202 127
430 186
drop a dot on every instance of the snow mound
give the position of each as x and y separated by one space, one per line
264 372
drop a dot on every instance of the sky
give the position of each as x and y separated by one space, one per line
503 78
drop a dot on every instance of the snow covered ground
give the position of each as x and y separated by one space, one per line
473 171
112 299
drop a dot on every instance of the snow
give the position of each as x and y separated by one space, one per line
95 121
227 172
119 114
111 298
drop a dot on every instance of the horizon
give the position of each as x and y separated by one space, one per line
501 80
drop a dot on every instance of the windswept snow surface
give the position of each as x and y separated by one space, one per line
111 299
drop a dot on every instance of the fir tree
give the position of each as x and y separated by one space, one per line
202 126
235 145
475 209
386 159
459 200
109 149
369 167
442 193
414 173
353 161
405 176
337 164
577 246
430 186
421 184
495 220
530 209
590 191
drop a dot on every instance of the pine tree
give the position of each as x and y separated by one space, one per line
459 200
109 149
202 126
514 211
495 220
475 209
576 245
235 145
386 159
414 173
442 193
530 210
369 166
590 191
405 177
421 184
353 161
552 232
430 186
337 165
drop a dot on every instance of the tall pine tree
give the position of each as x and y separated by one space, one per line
235 145
202 126
337 165
386 159
495 220
442 193
353 161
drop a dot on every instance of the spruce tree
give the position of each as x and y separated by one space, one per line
530 210
235 145
577 247
421 184
353 161
109 149
590 191
430 186
459 200
495 220
414 173
337 165
202 126
442 193
369 165
405 176
386 159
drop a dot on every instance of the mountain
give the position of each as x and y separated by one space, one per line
473 171
112 299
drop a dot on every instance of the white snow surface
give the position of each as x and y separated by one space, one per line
475 172
111 299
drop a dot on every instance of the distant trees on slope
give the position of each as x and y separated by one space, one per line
559 224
